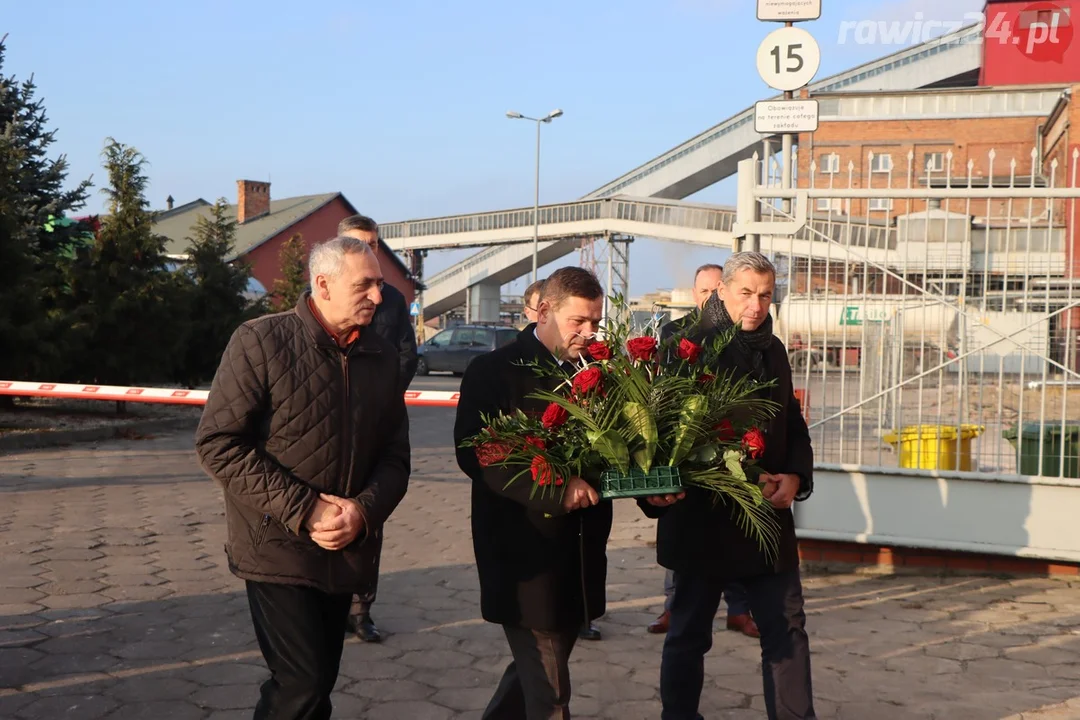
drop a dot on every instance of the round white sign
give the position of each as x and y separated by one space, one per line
788 58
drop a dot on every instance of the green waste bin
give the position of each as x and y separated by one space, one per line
1026 441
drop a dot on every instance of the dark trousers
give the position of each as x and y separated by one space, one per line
776 602
734 594
738 602
301 632
362 602
536 684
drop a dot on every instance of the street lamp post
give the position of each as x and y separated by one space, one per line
536 200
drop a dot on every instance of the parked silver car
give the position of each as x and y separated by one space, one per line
452 349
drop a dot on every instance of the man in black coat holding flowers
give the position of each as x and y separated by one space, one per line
540 539
706 280
703 543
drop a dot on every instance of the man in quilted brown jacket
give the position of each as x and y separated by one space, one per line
305 429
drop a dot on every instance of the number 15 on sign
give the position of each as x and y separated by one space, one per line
788 58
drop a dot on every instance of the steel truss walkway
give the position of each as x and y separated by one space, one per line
684 170
562 227
621 218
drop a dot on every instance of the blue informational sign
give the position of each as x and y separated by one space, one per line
414 309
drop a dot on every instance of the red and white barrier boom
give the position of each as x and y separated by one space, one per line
173 396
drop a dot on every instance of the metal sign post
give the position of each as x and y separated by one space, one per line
787 60
785 116
788 10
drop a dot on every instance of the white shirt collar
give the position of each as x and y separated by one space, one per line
556 357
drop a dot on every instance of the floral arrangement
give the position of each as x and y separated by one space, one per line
639 417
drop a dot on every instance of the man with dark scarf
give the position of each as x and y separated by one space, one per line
703 543
707 279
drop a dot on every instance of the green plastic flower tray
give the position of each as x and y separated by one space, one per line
660 480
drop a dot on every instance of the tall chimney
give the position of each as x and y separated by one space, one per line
169 202
252 200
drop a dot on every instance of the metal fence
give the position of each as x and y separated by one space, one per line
931 316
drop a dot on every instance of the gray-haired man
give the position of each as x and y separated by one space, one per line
704 543
306 432
707 280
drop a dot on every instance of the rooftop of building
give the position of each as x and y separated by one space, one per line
178 223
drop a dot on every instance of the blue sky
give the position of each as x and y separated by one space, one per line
401 105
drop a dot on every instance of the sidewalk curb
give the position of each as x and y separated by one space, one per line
47 438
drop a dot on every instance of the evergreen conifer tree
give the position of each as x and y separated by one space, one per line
218 296
36 245
131 307
294 274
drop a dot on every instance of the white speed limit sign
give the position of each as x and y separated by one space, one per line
788 58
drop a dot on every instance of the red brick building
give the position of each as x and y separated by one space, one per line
1017 127
265 224
893 140
1025 108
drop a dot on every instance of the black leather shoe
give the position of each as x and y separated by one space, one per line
589 632
366 630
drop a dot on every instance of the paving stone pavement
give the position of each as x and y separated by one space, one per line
115 602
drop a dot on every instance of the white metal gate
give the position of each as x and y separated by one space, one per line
930 315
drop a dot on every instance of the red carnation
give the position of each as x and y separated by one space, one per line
598 351
689 350
535 442
554 416
724 431
641 348
491 453
705 378
587 380
542 472
753 443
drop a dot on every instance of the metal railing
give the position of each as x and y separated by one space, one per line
656 212
946 336
500 220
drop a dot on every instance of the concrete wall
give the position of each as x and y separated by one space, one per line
1015 516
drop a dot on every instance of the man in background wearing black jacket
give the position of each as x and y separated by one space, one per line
531 299
393 323
704 543
542 560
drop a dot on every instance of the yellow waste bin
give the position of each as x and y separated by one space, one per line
935 447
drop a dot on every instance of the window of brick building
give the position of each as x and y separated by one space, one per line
934 162
881 163
829 163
